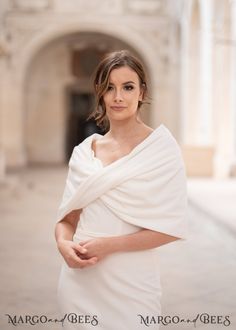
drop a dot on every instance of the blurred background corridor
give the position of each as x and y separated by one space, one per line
48 52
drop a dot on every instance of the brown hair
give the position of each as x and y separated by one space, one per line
112 61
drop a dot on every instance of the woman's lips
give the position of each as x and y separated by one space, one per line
117 108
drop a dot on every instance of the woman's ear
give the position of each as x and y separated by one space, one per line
141 94
142 91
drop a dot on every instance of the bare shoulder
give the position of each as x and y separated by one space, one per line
147 130
131 138
143 133
128 141
99 145
108 149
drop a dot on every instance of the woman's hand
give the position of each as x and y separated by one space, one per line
75 255
141 240
97 247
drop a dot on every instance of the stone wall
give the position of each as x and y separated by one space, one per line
32 105
185 45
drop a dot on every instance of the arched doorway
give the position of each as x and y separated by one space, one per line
78 126
80 100
59 94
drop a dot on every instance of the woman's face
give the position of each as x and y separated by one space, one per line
123 94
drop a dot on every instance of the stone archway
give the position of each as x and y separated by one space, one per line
53 92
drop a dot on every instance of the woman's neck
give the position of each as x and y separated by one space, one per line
121 130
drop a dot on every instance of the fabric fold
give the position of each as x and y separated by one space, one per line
146 188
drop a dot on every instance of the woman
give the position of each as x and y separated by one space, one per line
125 196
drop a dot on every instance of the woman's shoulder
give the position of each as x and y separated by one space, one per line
87 141
83 148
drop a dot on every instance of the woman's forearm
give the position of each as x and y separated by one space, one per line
73 253
65 229
141 240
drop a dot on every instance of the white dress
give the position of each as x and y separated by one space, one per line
122 291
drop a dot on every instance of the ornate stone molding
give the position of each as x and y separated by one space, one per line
148 7
29 5
88 7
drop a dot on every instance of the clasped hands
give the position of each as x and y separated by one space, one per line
85 253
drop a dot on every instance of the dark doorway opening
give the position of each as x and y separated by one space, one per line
78 127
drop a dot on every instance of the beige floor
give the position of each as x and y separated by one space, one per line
198 275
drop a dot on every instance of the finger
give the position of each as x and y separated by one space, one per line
83 243
80 248
76 261
88 262
81 256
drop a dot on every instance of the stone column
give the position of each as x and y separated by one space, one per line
196 94
224 93
232 170
3 63
4 53
12 118
2 154
185 31
204 135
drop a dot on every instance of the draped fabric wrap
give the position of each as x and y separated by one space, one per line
146 188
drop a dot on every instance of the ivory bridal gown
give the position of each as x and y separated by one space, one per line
144 189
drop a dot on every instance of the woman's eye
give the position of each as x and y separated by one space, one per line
129 87
109 88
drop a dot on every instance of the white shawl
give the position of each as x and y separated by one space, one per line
146 188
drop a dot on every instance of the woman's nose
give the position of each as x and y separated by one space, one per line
118 96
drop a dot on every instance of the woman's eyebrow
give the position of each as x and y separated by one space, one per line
127 82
